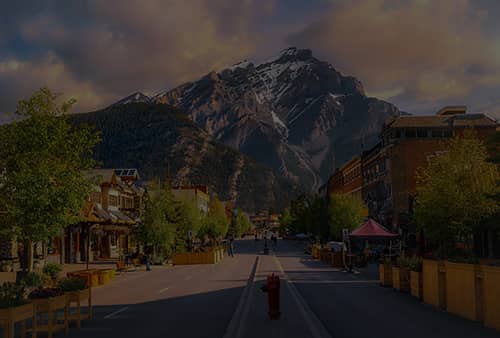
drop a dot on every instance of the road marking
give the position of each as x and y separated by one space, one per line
188 277
235 328
297 281
163 290
111 315
315 326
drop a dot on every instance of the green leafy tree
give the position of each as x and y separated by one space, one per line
215 224
345 212
157 229
42 156
454 193
243 224
188 218
285 220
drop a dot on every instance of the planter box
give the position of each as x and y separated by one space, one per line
396 278
337 259
9 317
491 296
91 276
416 284
209 257
461 289
434 282
315 252
385 274
79 297
50 306
103 276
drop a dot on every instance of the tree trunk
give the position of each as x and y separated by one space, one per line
30 255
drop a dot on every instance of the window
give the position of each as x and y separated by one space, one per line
448 133
113 200
410 133
437 133
421 133
396 134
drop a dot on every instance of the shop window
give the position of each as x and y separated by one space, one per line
421 133
113 200
437 133
410 133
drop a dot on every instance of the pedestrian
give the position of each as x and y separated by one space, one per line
148 262
230 247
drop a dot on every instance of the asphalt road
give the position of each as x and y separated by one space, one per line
221 301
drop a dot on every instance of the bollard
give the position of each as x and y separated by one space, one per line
272 287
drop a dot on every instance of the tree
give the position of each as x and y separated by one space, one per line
454 193
188 218
285 220
215 223
345 212
42 157
243 224
157 229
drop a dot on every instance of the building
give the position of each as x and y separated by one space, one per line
385 175
111 211
347 179
199 193
408 142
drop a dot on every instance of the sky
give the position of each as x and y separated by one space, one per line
417 54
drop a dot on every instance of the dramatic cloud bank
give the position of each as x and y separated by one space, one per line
417 54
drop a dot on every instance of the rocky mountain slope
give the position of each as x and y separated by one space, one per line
160 140
294 113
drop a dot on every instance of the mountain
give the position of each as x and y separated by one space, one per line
161 141
294 113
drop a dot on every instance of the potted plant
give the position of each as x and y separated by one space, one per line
385 272
76 291
49 301
14 307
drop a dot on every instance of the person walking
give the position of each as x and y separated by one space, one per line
230 247
148 262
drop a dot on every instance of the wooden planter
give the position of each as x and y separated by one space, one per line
404 279
77 298
9 317
416 284
461 290
490 296
336 259
434 282
385 274
91 276
209 257
50 306
396 278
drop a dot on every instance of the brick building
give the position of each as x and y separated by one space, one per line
387 180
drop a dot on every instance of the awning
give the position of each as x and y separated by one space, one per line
372 229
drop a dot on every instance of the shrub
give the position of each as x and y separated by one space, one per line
415 264
12 295
32 280
72 284
45 293
52 269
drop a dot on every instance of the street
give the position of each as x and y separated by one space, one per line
225 300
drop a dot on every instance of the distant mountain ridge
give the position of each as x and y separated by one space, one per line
294 113
161 141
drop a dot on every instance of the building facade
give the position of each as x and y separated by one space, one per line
198 193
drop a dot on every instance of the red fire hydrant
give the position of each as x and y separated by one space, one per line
272 287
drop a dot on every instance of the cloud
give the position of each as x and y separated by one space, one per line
412 52
112 48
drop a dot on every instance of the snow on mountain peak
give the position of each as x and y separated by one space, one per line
133 98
